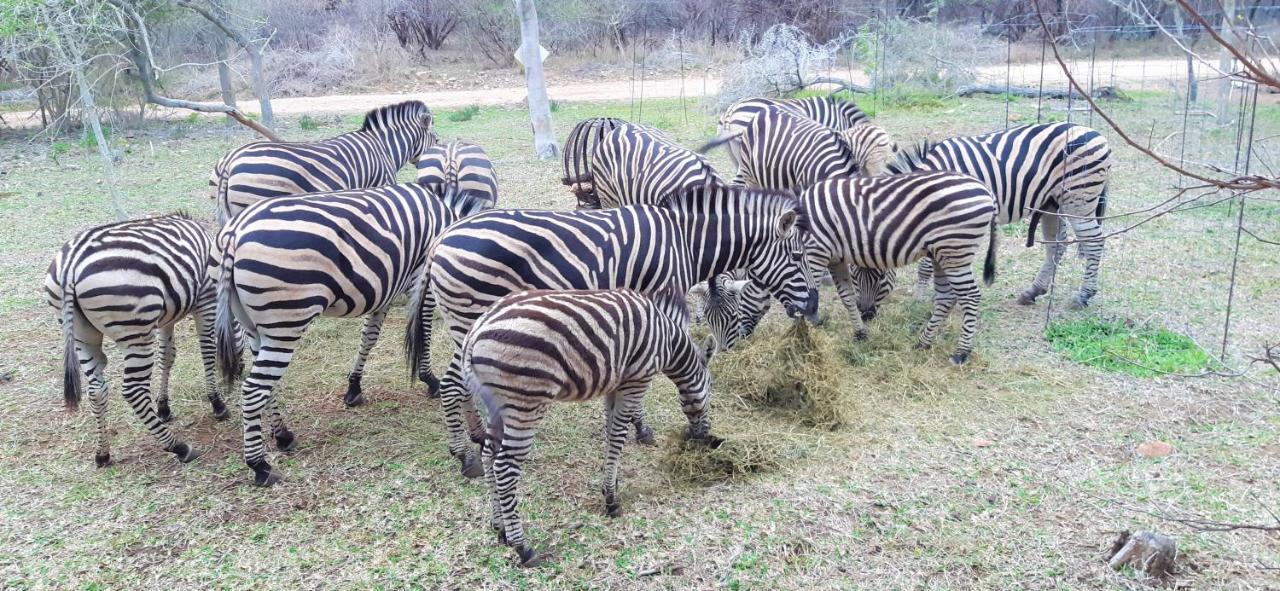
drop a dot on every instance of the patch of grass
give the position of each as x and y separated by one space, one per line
192 117
309 123
1120 346
464 114
89 140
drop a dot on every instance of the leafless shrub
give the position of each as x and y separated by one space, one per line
924 55
782 60
420 25
492 29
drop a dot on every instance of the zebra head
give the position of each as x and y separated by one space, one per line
874 285
777 262
912 159
405 129
723 312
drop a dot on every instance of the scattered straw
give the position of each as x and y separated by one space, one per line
743 454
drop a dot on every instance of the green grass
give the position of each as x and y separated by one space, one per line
1119 346
309 123
463 114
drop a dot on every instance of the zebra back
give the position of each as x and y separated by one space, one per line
782 150
579 148
389 138
639 164
872 148
834 113
461 166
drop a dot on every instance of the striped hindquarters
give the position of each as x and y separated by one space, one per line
460 165
638 164
390 137
579 149
872 148
836 114
785 151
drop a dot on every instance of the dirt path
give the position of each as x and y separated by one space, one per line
1128 73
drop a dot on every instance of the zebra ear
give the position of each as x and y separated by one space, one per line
787 223
737 286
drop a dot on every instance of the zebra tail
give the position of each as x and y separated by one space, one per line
229 344
71 381
989 265
219 180
1101 212
415 342
718 141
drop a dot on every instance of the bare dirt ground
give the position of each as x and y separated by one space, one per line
1154 74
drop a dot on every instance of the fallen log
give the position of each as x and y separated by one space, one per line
1107 92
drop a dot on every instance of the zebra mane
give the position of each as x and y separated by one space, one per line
394 115
911 159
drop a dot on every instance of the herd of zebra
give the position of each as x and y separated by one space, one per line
547 306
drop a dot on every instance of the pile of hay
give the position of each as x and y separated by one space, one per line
743 454
793 368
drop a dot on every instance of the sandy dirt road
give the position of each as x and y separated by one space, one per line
1129 74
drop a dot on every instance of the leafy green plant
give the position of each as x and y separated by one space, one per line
1123 347
88 140
192 117
463 114
309 123
59 148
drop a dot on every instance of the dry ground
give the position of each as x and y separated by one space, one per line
1013 472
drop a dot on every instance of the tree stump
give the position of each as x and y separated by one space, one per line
1150 553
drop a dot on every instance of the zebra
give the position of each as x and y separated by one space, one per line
132 281
390 137
638 164
836 114
872 148
534 348
579 148
1054 170
689 239
779 149
885 222
464 166
288 260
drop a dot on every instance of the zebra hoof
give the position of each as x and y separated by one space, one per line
960 358
267 479
528 557
1078 303
162 411
353 400
102 460
471 467
432 382
501 532
186 454
220 412
859 335
286 441
612 508
1029 296
921 346
645 436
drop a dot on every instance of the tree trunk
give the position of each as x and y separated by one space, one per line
1224 62
261 89
544 139
224 70
1192 85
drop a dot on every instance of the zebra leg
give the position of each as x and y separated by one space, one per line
509 453
943 301
285 440
208 356
924 276
138 356
644 433
93 364
456 403
1088 233
368 338
849 297
1051 229
167 352
269 364
620 410
424 366
965 287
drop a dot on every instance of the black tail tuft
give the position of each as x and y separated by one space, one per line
229 343
1101 212
717 141
71 382
415 338
989 266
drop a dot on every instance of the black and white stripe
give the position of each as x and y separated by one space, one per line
886 222
872 148
638 164
834 113
536 348
579 148
390 137
288 260
131 282
458 166
1058 168
690 239
779 149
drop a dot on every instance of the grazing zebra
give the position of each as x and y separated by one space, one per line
639 164
872 148
887 222
131 282
779 149
390 137
834 113
1058 170
579 148
462 166
288 260
533 348
689 239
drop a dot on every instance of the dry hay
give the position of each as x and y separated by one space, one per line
744 453
796 369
